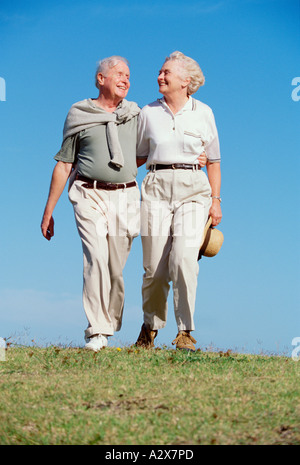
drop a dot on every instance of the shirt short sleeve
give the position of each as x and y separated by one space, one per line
68 151
212 146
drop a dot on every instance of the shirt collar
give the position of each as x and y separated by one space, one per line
187 106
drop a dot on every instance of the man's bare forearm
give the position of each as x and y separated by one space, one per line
59 179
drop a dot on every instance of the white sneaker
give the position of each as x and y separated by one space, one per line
96 343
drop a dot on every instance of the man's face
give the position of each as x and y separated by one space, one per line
169 79
115 83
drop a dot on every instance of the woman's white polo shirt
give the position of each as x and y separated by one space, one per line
167 138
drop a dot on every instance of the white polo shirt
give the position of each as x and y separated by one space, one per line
167 138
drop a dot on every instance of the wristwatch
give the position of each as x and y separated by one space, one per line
216 197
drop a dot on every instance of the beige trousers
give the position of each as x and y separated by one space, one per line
174 210
107 222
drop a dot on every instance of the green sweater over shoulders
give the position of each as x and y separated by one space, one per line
89 150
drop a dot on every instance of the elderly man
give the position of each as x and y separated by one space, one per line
177 196
98 153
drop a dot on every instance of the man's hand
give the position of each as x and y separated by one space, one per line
202 159
47 227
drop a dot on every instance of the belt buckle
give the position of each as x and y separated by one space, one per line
173 166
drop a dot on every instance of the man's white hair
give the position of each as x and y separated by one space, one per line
190 69
107 63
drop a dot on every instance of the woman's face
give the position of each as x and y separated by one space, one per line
169 78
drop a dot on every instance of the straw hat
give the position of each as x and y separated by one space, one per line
212 241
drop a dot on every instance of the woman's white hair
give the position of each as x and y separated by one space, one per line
107 63
190 69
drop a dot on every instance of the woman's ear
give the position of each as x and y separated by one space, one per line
186 82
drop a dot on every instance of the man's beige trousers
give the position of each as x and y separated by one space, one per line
107 222
174 210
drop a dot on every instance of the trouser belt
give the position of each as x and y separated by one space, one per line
174 166
94 184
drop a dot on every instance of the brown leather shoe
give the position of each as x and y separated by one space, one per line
184 341
146 337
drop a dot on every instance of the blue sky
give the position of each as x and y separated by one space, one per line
248 295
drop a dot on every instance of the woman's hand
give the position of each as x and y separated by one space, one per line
215 212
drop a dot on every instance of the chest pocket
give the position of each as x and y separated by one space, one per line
192 143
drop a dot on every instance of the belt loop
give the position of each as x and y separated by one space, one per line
153 168
95 184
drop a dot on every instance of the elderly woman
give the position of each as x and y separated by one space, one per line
177 196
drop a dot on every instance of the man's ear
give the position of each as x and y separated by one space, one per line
100 79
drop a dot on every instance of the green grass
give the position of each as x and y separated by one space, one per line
133 396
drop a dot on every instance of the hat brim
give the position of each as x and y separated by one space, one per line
212 241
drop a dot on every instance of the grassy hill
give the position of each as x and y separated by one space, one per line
132 396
